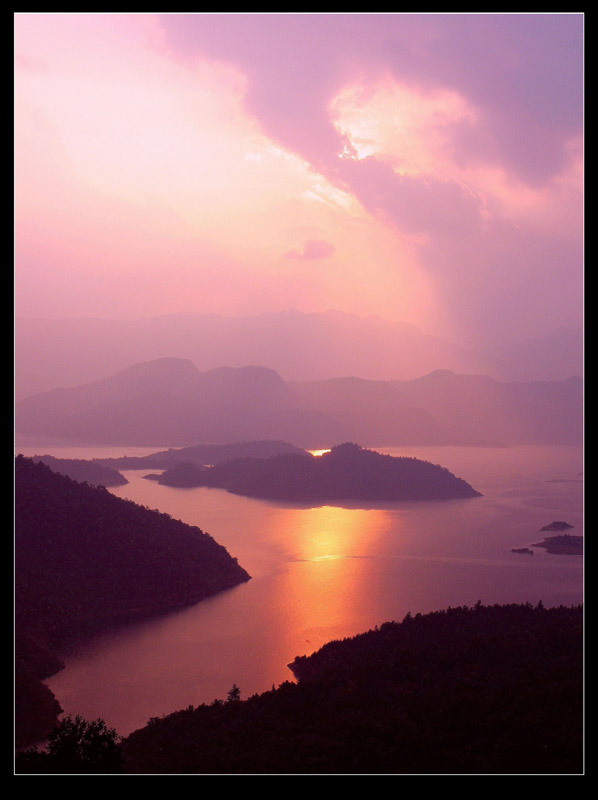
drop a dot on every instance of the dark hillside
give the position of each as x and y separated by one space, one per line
201 454
84 471
85 559
488 690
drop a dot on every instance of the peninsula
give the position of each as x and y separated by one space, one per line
86 560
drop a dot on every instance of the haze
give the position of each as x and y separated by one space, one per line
426 169
299 351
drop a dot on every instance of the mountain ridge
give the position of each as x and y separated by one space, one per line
299 346
143 405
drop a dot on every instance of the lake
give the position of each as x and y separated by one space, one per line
327 573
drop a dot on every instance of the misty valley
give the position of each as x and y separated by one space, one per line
313 568
299 393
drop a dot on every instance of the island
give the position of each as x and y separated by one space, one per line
346 472
565 544
522 550
183 475
557 525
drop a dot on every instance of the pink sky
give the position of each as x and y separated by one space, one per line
425 168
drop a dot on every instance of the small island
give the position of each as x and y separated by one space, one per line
346 472
565 544
557 525
522 550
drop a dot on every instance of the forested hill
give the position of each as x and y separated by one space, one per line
99 558
348 471
201 454
84 471
483 690
85 559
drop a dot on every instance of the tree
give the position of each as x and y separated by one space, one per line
77 745
234 694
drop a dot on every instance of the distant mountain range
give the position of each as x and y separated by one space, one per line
555 356
169 402
299 347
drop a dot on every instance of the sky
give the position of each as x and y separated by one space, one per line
419 167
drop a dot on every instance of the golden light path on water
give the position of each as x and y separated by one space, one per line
325 586
327 572
328 532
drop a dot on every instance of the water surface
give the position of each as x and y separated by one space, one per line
326 573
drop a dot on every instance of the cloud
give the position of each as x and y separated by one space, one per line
414 204
460 186
482 118
522 72
313 250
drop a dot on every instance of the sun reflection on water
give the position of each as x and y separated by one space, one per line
331 532
328 573
325 558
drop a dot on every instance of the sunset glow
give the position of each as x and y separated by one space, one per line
298 393
193 160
